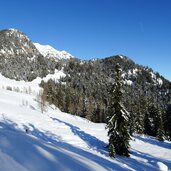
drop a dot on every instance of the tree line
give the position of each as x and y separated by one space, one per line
87 88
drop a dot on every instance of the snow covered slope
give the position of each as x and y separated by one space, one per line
28 87
57 141
49 51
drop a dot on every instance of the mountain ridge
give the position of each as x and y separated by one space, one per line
15 43
50 52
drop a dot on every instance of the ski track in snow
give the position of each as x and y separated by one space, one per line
57 141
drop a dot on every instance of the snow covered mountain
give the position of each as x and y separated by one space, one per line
50 52
57 141
14 42
19 58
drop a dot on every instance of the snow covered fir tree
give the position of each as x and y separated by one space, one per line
118 119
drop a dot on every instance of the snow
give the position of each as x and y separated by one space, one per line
153 75
49 51
162 166
159 80
156 80
2 51
17 33
53 140
134 72
13 30
29 87
152 151
128 82
121 56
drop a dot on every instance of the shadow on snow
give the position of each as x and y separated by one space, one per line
93 142
30 153
48 154
153 141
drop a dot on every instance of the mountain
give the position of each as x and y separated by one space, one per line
90 82
50 52
19 58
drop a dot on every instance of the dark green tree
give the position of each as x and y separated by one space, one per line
167 122
118 119
152 121
160 131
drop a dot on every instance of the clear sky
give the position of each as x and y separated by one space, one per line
139 29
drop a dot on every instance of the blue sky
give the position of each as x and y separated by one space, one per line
139 29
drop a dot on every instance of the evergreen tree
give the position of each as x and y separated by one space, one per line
167 122
152 122
118 122
160 131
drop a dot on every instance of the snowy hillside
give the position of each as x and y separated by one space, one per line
28 87
20 59
53 140
49 51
